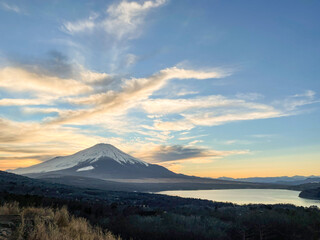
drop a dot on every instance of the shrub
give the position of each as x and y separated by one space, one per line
49 224
10 208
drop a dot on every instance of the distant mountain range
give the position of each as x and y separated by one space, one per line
295 180
106 167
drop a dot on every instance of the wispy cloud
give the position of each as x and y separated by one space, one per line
204 118
177 125
25 102
191 137
116 25
249 96
130 59
33 110
10 7
125 18
18 79
169 106
121 20
217 110
184 92
266 136
210 119
80 25
44 81
297 100
237 141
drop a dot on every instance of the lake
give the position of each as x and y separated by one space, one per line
246 196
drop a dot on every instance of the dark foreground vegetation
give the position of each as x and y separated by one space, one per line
46 224
152 216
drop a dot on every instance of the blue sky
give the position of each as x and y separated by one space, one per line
208 88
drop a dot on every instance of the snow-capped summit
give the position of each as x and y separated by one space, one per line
106 150
85 159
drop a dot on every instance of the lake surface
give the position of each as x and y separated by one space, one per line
246 196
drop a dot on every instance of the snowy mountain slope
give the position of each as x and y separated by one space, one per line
88 156
102 161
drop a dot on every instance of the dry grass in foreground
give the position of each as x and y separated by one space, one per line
47 224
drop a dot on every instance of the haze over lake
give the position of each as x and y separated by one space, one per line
246 196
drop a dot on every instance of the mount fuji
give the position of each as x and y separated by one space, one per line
102 161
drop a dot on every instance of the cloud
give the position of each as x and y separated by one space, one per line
308 93
297 100
92 102
192 137
10 7
48 81
32 110
32 133
57 64
88 76
266 136
163 153
179 125
184 92
211 119
121 20
205 118
195 142
19 80
131 59
135 93
24 102
170 106
249 96
206 111
217 110
125 18
116 25
80 25
132 92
